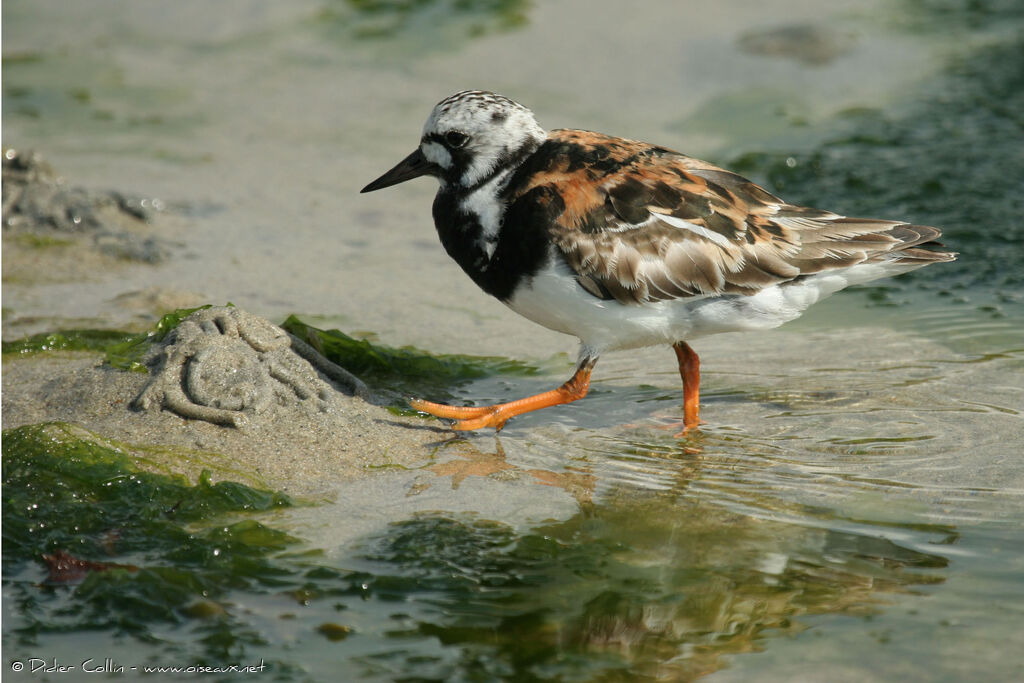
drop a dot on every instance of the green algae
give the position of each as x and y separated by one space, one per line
84 487
392 372
398 372
123 350
190 463
128 355
187 542
69 340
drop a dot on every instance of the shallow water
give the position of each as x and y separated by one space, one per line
853 509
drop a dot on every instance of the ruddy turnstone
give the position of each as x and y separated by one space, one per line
625 244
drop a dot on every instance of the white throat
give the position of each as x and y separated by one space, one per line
486 204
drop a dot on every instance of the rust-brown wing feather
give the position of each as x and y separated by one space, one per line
643 223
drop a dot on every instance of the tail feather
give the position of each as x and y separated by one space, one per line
924 256
873 241
913 242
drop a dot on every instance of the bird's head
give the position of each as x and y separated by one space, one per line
468 139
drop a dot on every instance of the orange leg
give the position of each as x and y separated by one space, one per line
471 417
689 370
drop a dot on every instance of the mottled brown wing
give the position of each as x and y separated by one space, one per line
643 223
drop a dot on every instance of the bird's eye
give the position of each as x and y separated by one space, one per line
455 139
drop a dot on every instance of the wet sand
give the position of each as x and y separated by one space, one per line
302 453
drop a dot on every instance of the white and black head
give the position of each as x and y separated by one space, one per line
468 139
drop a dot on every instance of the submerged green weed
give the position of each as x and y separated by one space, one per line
952 159
172 544
666 583
660 588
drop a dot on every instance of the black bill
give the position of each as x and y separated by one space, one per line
413 166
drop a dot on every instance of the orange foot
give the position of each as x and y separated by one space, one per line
688 429
472 417
466 418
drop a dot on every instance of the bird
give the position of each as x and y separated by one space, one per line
625 244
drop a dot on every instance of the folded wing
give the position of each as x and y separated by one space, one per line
643 223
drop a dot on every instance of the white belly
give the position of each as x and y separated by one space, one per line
555 300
